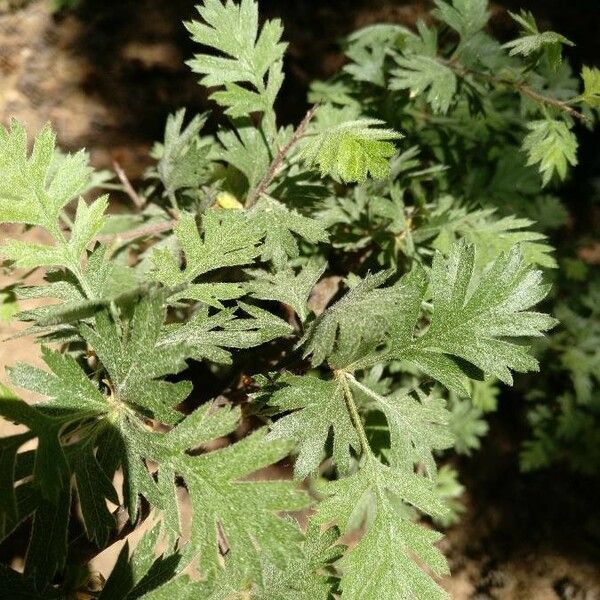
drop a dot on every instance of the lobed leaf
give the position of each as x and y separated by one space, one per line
351 151
421 74
244 55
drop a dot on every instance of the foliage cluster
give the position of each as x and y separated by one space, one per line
350 294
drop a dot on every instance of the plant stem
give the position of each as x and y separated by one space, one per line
276 163
524 89
173 202
342 377
369 392
133 195
361 387
561 105
84 285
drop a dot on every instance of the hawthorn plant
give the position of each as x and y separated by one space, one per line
350 292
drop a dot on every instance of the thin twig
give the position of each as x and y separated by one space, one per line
173 201
275 165
561 105
135 197
146 230
252 199
342 377
462 70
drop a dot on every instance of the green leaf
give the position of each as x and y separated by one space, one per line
354 324
247 150
381 565
468 426
8 304
529 44
303 578
30 255
77 418
364 319
89 220
591 86
31 191
467 17
551 145
47 550
51 468
245 510
475 317
421 74
280 224
368 49
317 407
244 55
212 336
139 572
137 360
35 189
183 156
93 488
183 588
229 239
418 427
286 286
74 399
481 52
352 150
532 41
451 490
49 498
493 236
106 282
119 426
331 93
233 581
367 63
484 395
210 293
9 511
223 499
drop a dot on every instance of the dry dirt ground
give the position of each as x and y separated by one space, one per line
106 80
